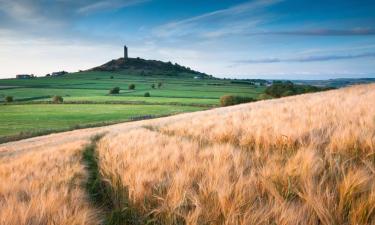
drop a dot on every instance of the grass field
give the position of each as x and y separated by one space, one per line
307 159
19 118
152 100
177 94
97 84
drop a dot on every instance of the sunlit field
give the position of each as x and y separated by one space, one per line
44 186
307 159
299 160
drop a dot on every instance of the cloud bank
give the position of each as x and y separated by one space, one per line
311 58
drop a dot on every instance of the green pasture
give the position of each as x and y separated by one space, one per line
177 94
97 84
34 118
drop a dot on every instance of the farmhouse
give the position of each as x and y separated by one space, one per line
24 76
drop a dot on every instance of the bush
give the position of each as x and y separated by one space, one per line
115 90
264 96
57 99
131 86
8 98
111 77
160 84
228 100
147 94
153 86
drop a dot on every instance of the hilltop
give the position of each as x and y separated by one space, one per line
148 68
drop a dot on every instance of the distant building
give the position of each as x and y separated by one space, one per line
125 52
24 76
56 74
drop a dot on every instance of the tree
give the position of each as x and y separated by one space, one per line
115 90
287 88
153 86
228 100
131 86
57 99
160 84
147 94
8 99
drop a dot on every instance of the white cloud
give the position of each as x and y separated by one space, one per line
310 58
243 15
108 4
45 57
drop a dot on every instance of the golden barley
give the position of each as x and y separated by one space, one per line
306 159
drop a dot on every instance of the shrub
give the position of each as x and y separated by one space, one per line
57 99
147 94
279 89
111 77
131 86
8 98
153 86
228 100
160 84
287 88
287 93
264 96
115 90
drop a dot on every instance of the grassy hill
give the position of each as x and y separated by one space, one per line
306 159
87 101
337 83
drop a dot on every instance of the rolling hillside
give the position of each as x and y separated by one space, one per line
306 159
159 89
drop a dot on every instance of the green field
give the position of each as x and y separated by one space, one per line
87 99
97 84
21 118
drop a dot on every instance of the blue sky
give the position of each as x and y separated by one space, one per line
273 39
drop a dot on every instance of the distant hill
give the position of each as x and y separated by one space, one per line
337 83
148 68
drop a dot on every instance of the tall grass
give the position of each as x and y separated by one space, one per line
45 187
307 159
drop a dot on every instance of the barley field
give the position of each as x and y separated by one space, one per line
44 187
307 159
300 160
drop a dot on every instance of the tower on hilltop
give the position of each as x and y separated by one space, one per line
125 52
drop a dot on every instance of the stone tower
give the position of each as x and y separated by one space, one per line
125 52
